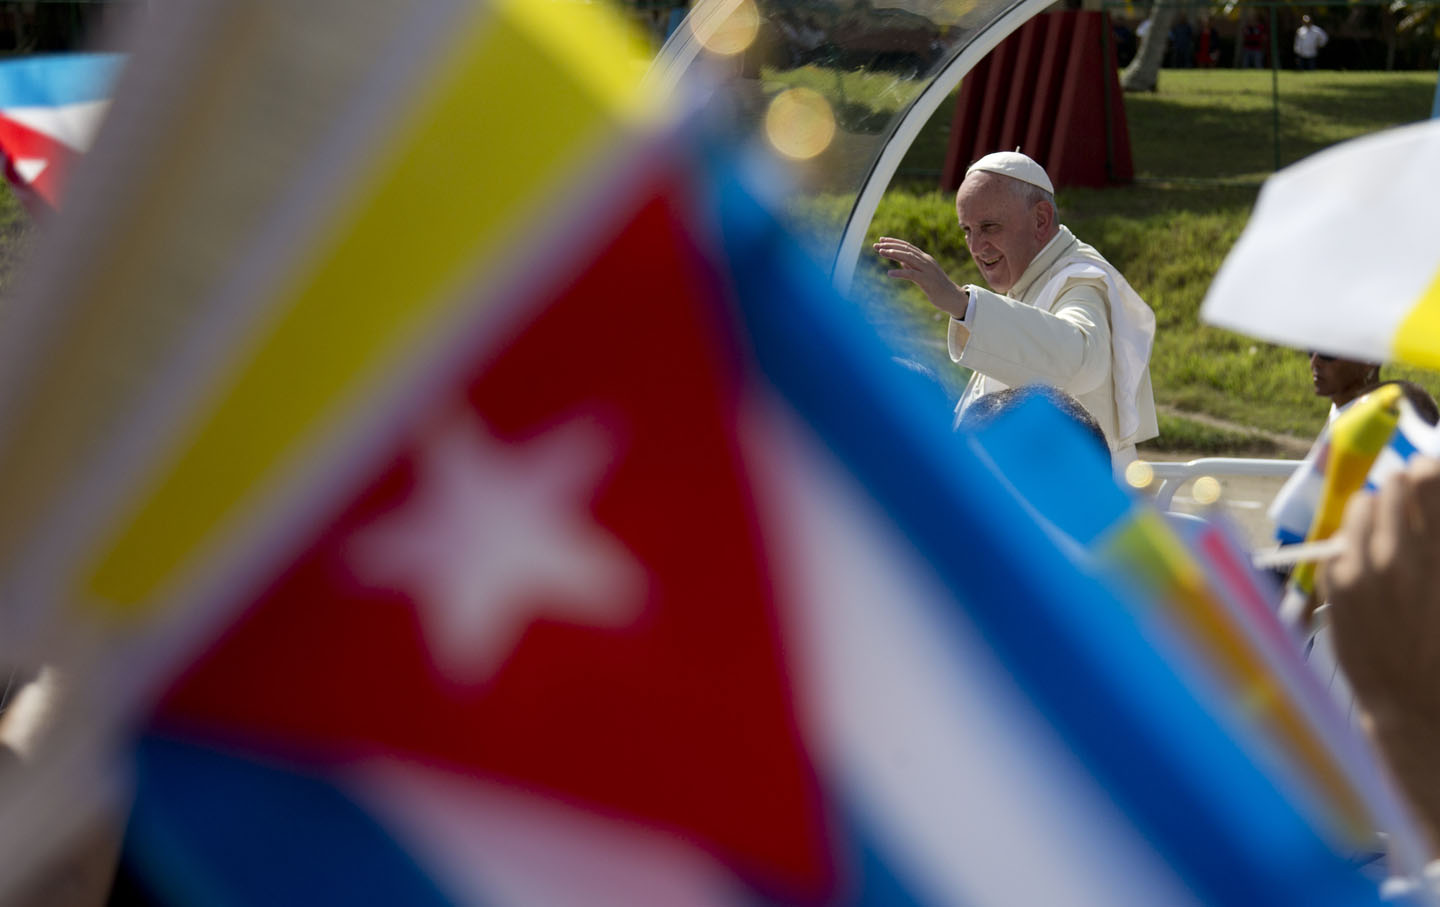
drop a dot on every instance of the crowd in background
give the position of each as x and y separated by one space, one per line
1197 39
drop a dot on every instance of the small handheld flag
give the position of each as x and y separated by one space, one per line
50 109
1302 273
1356 439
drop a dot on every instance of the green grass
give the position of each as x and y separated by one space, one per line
1202 143
1221 123
16 229
1181 435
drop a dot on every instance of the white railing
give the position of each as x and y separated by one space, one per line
1173 475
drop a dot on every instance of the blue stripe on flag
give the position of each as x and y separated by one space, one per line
1077 653
209 828
1392 459
1049 467
1402 445
57 80
869 879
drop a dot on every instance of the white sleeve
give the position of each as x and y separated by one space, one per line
1016 343
955 340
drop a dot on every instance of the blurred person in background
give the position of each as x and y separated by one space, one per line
1319 647
1254 40
1341 380
1182 43
1207 54
1309 38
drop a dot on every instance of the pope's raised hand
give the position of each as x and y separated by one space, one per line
916 266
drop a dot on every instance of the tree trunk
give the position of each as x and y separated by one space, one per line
1143 73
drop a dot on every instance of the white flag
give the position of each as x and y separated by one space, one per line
1341 253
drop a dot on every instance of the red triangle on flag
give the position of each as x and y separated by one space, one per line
18 143
557 581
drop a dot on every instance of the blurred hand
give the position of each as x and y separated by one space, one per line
1384 594
920 269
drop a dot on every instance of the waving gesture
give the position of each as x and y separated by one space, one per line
916 266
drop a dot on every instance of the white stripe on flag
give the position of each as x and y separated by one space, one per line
1295 504
488 843
969 795
1412 436
74 125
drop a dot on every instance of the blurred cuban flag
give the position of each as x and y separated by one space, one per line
50 110
472 495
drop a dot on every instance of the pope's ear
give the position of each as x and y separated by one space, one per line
1044 218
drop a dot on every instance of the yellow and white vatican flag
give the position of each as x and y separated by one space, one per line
1341 253
290 219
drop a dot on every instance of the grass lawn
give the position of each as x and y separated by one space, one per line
16 228
1168 233
1205 124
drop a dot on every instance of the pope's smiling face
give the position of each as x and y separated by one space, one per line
1004 228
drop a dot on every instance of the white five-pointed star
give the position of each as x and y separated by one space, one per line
494 533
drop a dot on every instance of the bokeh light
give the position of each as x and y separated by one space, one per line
733 34
800 123
1139 474
1206 490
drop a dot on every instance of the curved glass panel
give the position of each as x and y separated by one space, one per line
876 68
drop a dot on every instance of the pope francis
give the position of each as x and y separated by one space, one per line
1056 312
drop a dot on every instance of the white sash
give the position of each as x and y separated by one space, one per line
1132 335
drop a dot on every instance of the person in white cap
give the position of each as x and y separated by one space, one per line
1059 313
